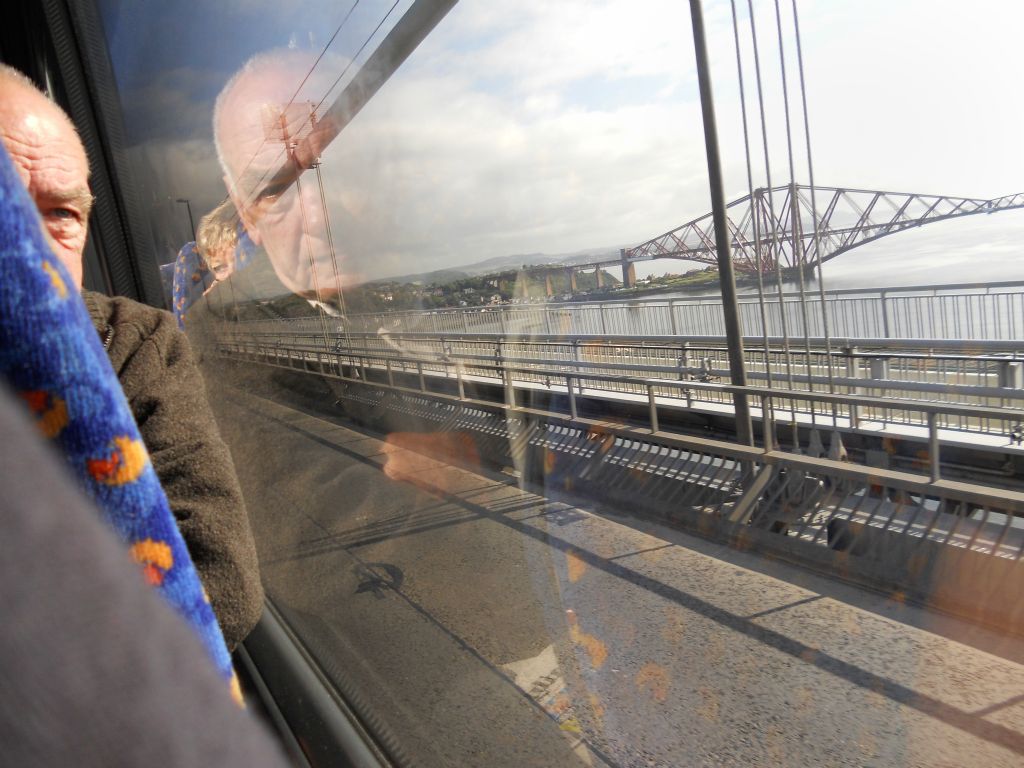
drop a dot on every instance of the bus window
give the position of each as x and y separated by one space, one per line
561 449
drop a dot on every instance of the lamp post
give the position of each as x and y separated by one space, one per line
191 223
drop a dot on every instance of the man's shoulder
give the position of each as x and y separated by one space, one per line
115 311
125 325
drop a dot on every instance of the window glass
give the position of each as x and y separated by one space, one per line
453 279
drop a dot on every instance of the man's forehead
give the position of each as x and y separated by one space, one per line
268 120
256 141
252 110
34 122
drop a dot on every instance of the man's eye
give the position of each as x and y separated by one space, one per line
63 214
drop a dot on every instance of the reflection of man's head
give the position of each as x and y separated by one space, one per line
261 113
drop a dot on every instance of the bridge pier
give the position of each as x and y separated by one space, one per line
599 275
628 270
571 273
549 288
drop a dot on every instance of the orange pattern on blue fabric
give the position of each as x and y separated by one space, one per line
125 463
49 411
156 559
56 279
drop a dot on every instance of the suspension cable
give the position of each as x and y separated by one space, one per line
814 210
794 211
753 217
771 214
334 257
322 54
363 46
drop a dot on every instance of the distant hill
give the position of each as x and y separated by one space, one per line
501 264
426 278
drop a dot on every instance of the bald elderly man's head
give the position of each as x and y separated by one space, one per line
50 158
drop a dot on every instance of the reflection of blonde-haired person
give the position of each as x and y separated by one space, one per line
217 239
221 249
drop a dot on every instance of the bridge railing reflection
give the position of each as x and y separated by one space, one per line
928 401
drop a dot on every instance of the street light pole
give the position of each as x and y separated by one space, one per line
191 223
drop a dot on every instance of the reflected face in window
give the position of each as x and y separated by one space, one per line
221 262
282 214
49 157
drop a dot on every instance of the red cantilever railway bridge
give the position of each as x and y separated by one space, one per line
795 224
784 227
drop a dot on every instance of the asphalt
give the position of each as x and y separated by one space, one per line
476 623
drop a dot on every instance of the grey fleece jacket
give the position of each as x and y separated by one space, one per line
165 391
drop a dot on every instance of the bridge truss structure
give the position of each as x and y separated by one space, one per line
795 224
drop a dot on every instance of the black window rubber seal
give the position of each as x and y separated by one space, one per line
118 228
302 704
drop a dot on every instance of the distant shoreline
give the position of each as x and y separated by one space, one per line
743 281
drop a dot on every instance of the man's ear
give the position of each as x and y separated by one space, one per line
247 221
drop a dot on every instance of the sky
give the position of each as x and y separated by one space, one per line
528 126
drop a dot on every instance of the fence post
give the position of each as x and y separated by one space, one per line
885 317
1011 375
767 424
852 372
572 396
510 392
672 317
604 327
880 368
933 446
653 408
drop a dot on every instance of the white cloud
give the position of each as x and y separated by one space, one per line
503 177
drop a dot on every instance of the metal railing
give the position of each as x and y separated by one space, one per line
867 371
935 496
